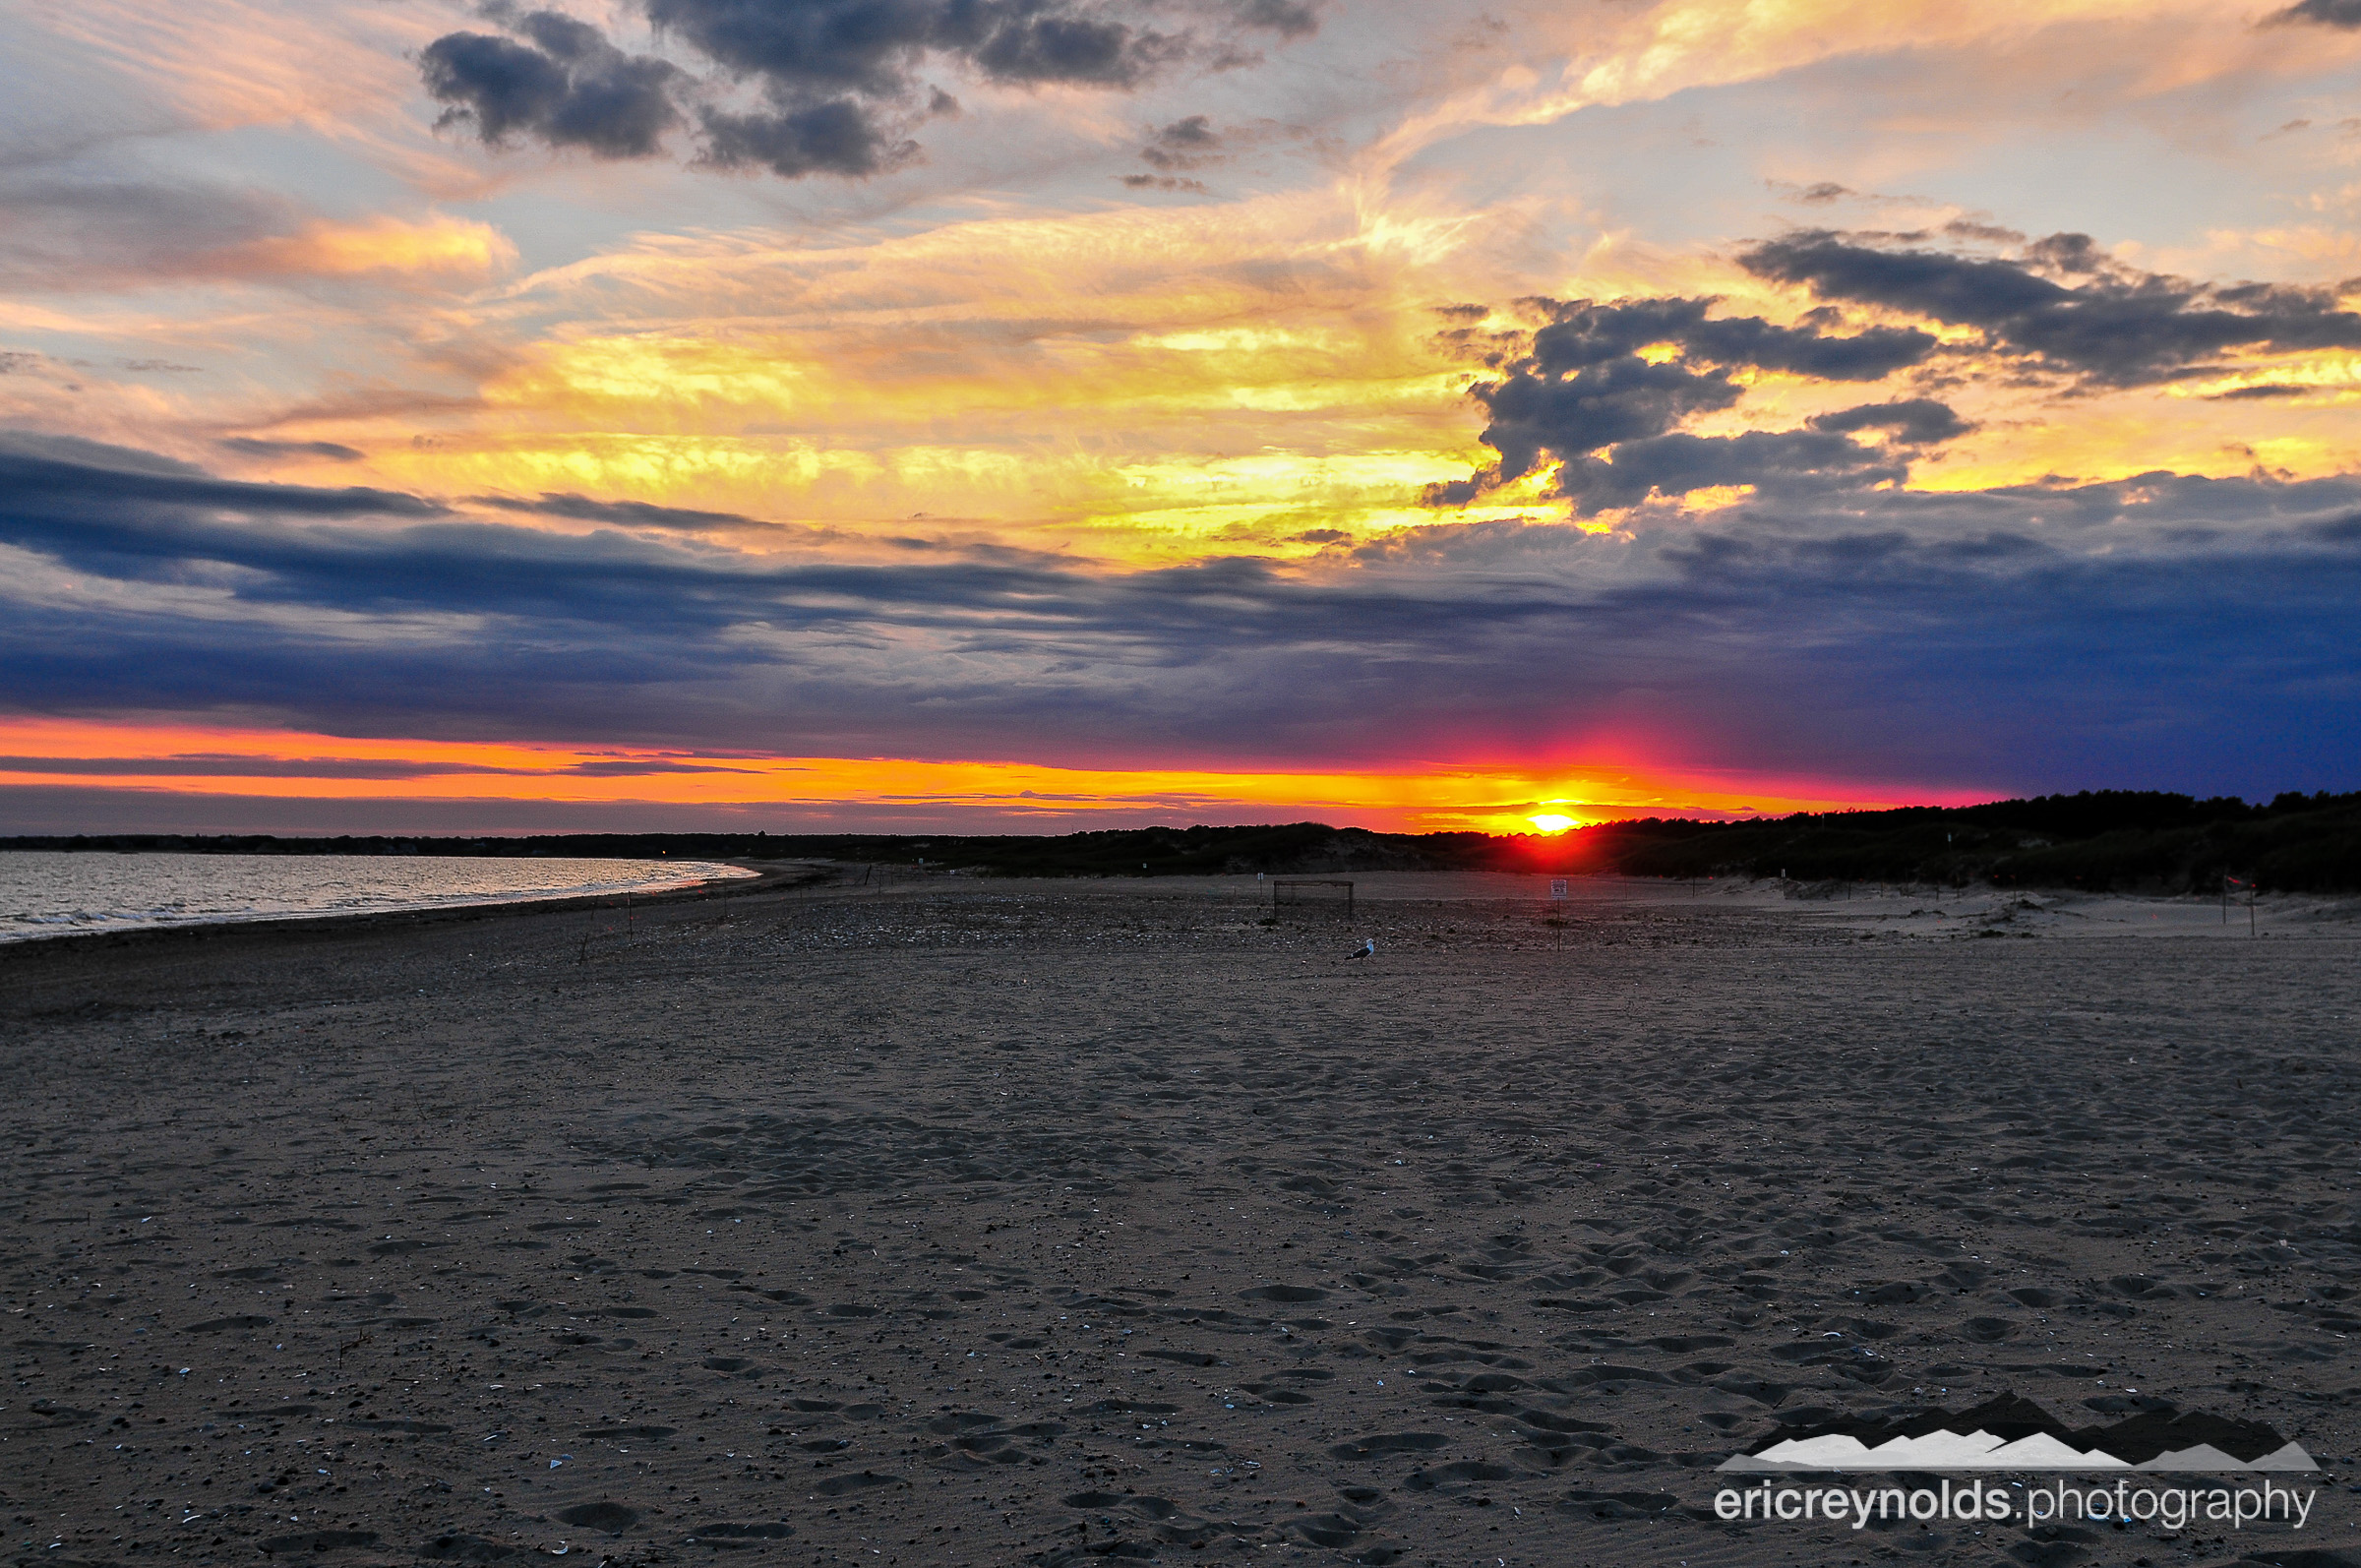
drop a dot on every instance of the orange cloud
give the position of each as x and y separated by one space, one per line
1148 378
437 247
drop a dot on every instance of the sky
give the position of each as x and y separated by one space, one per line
1029 415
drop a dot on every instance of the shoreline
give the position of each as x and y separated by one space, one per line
2051 911
266 926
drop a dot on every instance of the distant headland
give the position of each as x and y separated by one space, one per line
2096 840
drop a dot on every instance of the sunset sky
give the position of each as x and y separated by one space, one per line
1028 414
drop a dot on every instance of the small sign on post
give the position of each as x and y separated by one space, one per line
2236 890
1557 891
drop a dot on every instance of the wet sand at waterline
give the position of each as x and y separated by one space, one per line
997 1222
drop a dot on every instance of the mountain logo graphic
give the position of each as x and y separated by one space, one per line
2010 1433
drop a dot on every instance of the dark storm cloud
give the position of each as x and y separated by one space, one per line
138 519
1165 182
562 83
2112 326
1183 144
1075 48
251 447
1868 355
1590 383
82 484
2125 630
1967 229
874 47
1603 390
1912 421
1624 399
1290 19
629 514
839 80
838 137
1772 461
2344 13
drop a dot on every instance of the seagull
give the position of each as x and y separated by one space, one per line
1369 949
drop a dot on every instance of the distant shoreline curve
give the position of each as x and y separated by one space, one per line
274 926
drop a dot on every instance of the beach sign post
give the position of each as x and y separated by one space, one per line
2237 890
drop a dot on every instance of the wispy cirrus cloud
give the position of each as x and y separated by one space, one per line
83 236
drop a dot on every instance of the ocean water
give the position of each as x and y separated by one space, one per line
46 893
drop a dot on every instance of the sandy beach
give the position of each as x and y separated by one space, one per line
968 1222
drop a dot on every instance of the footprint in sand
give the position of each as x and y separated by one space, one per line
740 1535
316 1541
1390 1443
466 1548
1468 1474
612 1518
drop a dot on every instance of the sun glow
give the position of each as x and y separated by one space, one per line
1553 822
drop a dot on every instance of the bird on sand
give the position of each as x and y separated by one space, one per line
1369 949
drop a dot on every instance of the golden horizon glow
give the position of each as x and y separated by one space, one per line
198 762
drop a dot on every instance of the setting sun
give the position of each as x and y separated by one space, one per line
1551 822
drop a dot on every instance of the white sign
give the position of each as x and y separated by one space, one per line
1558 889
